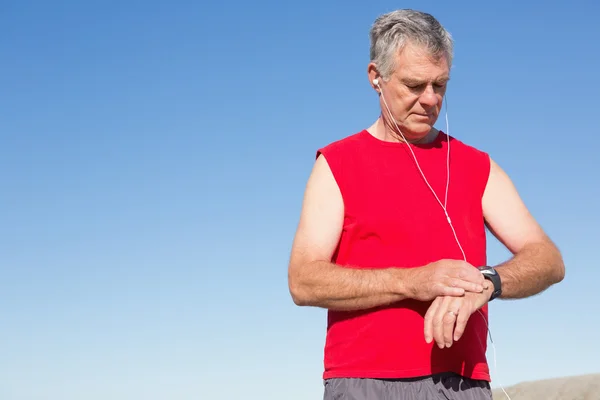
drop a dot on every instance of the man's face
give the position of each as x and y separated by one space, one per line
415 91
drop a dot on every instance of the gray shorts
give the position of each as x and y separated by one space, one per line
438 387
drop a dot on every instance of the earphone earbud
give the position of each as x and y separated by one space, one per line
376 82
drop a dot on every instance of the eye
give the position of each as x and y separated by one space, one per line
416 87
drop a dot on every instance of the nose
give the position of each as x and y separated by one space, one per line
429 97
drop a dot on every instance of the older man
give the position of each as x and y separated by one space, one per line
391 238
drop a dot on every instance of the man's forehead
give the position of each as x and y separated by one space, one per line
424 71
418 63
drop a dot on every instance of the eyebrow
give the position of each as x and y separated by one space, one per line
418 82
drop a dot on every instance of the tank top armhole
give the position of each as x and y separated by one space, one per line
334 164
485 172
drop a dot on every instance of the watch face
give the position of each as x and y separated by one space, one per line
488 271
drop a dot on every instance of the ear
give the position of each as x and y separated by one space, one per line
372 73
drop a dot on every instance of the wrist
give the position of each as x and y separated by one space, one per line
488 291
494 283
400 282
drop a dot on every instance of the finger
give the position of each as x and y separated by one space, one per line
445 288
452 291
466 285
471 274
438 322
429 319
461 322
450 320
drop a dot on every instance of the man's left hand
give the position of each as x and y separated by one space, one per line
447 317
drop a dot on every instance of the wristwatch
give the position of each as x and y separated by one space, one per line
491 274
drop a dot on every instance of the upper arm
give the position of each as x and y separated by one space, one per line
321 218
505 213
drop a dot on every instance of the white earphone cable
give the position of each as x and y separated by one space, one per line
443 205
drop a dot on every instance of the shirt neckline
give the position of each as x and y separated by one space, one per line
441 136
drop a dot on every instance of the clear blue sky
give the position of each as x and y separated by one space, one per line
153 157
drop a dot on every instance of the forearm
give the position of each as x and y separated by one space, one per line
326 285
531 271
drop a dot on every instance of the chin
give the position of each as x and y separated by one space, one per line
419 131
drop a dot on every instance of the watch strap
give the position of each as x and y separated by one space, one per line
492 275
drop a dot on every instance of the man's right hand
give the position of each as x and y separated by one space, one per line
443 278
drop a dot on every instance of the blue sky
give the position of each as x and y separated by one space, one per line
153 158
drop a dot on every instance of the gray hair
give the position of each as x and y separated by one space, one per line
391 32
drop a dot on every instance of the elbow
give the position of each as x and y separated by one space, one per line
559 273
550 256
298 298
297 290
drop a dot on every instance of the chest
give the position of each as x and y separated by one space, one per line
394 212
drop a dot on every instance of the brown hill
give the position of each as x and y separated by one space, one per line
584 387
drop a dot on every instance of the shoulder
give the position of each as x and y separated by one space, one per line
473 161
342 145
467 148
471 153
338 160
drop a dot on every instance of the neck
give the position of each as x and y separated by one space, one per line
383 130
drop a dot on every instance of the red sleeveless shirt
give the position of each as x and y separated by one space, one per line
393 220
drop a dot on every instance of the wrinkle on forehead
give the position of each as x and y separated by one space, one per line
417 62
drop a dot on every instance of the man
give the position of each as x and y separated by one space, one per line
391 238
